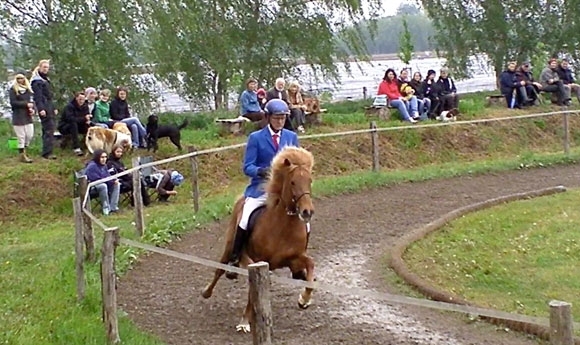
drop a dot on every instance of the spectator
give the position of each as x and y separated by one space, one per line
91 95
119 110
278 91
296 105
551 82
430 90
447 91
249 105
423 103
108 191
43 101
261 93
21 102
75 120
510 87
167 182
102 116
529 88
116 166
390 88
567 78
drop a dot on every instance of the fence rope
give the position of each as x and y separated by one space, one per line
326 135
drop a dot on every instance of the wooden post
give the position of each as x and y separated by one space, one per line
138 199
566 134
88 224
561 332
108 285
79 245
194 179
375 146
364 92
261 320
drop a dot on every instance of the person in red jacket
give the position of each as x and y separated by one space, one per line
390 88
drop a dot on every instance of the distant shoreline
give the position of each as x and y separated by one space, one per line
382 57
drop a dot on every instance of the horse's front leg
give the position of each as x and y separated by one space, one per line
244 325
305 298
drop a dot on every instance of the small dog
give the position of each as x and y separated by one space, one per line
156 131
105 139
449 115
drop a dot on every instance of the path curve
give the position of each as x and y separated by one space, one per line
351 234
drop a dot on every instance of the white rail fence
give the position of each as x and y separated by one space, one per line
560 321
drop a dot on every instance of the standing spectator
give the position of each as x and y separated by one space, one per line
447 91
297 106
75 120
102 116
249 105
21 102
431 91
551 82
390 88
567 78
43 101
108 191
119 110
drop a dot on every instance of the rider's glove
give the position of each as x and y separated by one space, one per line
263 172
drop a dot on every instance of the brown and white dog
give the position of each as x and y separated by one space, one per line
449 115
105 139
121 127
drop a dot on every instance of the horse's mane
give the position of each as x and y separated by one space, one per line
279 170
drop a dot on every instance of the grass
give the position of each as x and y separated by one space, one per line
514 257
37 297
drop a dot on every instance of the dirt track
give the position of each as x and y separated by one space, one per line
350 234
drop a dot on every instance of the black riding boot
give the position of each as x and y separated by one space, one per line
239 242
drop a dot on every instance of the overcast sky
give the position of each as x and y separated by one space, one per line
390 7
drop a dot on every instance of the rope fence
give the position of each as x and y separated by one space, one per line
84 237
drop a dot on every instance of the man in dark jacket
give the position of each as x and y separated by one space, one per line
447 91
279 92
509 86
43 101
529 88
75 120
568 79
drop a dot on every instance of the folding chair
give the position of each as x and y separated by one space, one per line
93 194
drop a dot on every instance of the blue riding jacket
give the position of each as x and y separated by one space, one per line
260 151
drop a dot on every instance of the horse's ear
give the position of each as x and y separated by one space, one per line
287 162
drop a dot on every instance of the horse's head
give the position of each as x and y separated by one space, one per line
296 191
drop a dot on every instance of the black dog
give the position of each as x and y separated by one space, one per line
156 131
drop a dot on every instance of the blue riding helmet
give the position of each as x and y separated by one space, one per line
277 107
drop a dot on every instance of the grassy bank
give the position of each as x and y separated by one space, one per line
37 300
515 257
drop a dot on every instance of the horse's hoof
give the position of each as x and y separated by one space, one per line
302 304
206 293
243 327
231 275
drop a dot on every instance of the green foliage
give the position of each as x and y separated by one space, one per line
406 46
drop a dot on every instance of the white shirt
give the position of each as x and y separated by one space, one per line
272 134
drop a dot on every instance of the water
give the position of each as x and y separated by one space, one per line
368 75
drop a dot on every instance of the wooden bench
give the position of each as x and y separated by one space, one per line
382 112
233 126
314 118
495 100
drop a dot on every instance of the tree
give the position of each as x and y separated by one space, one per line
406 47
502 30
408 9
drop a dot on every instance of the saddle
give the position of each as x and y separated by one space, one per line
254 218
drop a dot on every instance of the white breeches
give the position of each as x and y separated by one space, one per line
24 134
250 205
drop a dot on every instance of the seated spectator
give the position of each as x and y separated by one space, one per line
119 110
529 88
102 117
75 120
430 90
91 95
22 104
167 180
510 87
447 91
108 191
567 78
261 93
279 92
115 166
423 103
390 88
296 105
249 105
551 82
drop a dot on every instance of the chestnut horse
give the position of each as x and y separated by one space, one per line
279 234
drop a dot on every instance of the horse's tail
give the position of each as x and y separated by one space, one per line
233 225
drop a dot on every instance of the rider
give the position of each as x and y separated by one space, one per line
262 146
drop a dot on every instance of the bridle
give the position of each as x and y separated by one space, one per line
293 211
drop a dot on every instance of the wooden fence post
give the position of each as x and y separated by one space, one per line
364 92
138 199
375 146
108 285
79 245
88 224
561 332
566 134
261 319
194 179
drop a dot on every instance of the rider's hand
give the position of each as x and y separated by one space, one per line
263 172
